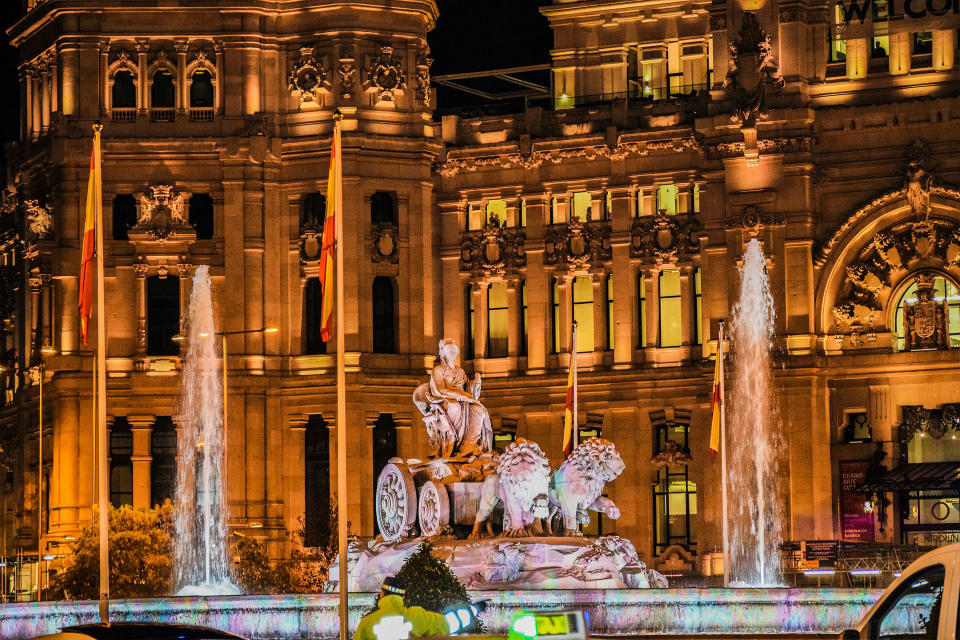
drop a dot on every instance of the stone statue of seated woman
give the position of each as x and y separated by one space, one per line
458 424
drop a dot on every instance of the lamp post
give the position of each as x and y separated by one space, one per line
39 372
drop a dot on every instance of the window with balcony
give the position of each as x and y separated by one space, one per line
497 320
696 76
583 312
124 215
667 199
670 309
163 96
124 91
201 89
163 315
201 215
384 316
496 210
653 70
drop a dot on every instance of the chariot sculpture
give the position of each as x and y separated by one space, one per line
465 482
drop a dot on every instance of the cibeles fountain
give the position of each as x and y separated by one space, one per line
499 520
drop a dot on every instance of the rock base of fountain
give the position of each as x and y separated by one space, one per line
608 562
209 589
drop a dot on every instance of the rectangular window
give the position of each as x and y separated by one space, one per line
695 73
523 318
555 302
497 320
667 199
670 309
653 67
641 311
498 210
922 42
857 428
581 204
697 305
696 199
838 46
523 213
674 495
611 325
469 351
583 312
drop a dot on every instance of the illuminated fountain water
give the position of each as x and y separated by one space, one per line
755 505
200 513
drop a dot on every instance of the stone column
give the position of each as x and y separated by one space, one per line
105 99
26 84
624 279
140 271
37 103
651 280
183 100
478 293
143 48
141 458
251 80
36 286
687 293
69 316
599 281
899 58
44 80
944 44
513 317
185 273
54 81
46 338
296 496
218 81
538 284
566 311
71 63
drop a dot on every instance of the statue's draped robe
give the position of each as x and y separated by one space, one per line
470 422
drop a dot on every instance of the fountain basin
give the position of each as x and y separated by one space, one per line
612 612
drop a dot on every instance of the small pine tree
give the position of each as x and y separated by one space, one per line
430 584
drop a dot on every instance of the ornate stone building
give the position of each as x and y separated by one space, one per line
675 133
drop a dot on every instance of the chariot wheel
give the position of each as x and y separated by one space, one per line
434 509
396 501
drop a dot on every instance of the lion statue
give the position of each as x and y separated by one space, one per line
576 486
521 484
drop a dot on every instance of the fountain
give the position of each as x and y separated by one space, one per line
756 510
200 552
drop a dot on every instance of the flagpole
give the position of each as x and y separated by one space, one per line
102 484
341 390
575 436
723 463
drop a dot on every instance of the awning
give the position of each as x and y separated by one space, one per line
914 477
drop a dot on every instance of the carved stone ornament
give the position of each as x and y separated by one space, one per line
39 219
752 220
671 454
663 238
881 265
935 423
383 237
577 245
346 77
753 72
8 201
385 73
493 250
310 244
307 76
918 181
423 79
160 211
925 320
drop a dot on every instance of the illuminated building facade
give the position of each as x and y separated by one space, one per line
622 202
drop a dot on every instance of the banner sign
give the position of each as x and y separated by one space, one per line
856 525
858 17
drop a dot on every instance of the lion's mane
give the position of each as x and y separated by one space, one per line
585 461
526 456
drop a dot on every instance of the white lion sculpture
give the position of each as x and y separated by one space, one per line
576 486
521 484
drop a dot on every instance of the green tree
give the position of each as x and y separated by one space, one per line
141 556
430 583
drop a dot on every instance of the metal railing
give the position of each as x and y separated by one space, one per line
201 114
162 115
123 114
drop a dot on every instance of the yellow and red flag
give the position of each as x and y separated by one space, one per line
334 209
94 216
569 424
717 399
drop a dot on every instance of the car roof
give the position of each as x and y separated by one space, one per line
148 631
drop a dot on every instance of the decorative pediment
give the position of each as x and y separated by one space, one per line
578 245
493 250
664 239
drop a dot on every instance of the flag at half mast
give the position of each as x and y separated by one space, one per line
327 245
716 403
94 215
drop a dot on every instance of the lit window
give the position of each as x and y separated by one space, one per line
555 302
695 73
670 309
653 69
698 305
497 320
838 46
523 213
498 210
582 204
611 325
471 323
667 198
944 290
696 198
641 310
523 318
583 312
608 206
881 39
675 496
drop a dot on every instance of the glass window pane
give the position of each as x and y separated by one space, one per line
611 324
667 198
642 310
583 312
497 209
670 309
581 204
523 213
555 297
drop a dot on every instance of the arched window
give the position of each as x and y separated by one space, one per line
316 525
201 89
313 343
163 464
124 215
124 93
383 208
163 315
945 293
497 320
121 467
313 211
201 215
162 93
384 316
384 448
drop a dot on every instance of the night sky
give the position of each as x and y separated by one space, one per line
471 35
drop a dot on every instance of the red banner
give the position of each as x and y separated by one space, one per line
856 525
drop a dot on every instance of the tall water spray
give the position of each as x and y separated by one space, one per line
753 428
200 513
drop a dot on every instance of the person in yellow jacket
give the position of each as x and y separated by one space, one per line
393 621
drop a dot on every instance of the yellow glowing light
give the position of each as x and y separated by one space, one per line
203 334
271 330
178 338
255 525
48 351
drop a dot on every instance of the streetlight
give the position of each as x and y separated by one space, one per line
39 370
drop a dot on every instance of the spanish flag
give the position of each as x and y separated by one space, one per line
93 218
569 419
717 400
328 244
